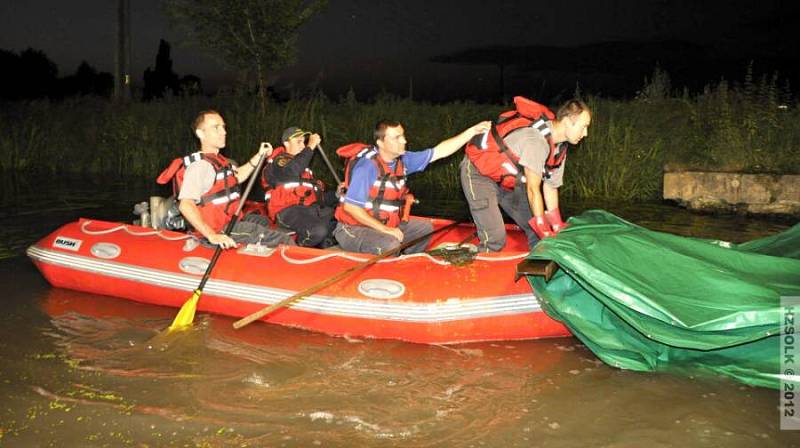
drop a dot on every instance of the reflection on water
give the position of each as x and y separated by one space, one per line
85 370
30 210
98 377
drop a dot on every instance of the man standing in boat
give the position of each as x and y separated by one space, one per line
518 166
373 213
207 185
294 199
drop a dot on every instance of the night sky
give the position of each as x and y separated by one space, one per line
372 44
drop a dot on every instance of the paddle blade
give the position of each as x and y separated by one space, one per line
185 316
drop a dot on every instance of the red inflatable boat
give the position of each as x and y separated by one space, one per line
417 298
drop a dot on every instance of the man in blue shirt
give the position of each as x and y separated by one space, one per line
371 213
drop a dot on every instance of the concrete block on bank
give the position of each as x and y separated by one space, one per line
748 193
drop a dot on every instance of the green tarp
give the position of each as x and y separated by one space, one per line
651 301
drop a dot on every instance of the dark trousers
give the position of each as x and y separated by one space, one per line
486 198
369 241
313 224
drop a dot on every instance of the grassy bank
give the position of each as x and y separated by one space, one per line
729 128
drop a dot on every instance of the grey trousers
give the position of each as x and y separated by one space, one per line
254 229
369 241
486 198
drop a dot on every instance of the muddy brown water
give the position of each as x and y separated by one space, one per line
80 370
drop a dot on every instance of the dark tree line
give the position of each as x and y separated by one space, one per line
31 74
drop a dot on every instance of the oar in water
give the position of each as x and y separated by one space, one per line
312 289
185 315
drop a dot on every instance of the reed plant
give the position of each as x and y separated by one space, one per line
751 126
617 160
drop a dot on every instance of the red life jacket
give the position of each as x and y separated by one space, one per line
279 196
492 157
219 203
388 193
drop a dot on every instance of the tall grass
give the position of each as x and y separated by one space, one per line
614 161
741 127
750 126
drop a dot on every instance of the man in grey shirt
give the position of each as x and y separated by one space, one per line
209 194
540 146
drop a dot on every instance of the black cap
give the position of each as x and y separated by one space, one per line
292 132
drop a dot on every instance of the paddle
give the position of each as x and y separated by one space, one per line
330 166
312 289
185 315
325 157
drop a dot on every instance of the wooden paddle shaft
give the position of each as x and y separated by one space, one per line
312 289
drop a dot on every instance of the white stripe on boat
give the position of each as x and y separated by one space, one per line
441 311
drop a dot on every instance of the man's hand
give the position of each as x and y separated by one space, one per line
265 149
362 216
395 232
244 171
554 218
222 240
341 190
314 140
541 227
481 128
453 144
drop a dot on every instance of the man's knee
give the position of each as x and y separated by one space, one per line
320 231
345 241
383 244
315 234
419 226
493 239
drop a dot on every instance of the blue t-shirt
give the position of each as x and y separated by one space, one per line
365 173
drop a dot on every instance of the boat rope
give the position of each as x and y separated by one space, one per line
350 257
285 256
124 227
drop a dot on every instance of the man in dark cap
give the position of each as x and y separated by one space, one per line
294 198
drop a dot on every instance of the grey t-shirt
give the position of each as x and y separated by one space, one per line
533 150
197 180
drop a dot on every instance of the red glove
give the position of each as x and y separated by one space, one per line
541 227
554 218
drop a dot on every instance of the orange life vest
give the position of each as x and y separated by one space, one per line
278 196
220 202
388 193
492 157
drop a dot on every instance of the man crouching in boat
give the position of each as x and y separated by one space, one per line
518 167
371 213
207 185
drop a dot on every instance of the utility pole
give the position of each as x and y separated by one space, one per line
122 69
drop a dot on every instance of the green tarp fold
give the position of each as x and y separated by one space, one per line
652 301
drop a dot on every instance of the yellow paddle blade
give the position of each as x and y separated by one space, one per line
185 316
